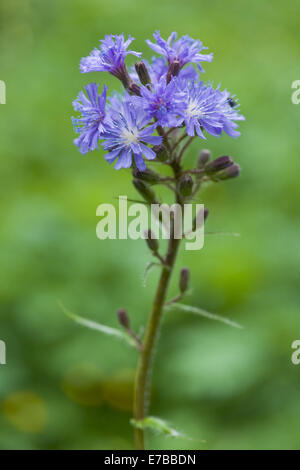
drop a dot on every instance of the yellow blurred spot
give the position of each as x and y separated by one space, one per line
118 390
83 384
26 411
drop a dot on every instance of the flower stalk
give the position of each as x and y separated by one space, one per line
143 376
164 107
142 384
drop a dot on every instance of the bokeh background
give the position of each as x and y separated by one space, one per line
65 387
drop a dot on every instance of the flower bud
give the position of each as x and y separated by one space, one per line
134 89
203 158
123 318
145 191
174 70
185 185
147 175
231 172
151 242
184 280
161 152
219 164
142 72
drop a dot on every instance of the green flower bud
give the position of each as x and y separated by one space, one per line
174 70
145 191
203 158
218 164
185 185
142 72
184 280
123 318
147 175
161 152
231 172
134 89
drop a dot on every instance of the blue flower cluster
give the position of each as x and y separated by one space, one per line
162 94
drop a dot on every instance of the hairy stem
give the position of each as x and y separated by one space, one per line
142 383
178 142
184 148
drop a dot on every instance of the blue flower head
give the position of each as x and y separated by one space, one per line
90 124
160 102
110 57
184 50
164 92
208 109
202 111
230 110
125 136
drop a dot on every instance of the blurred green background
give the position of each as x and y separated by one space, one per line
65 387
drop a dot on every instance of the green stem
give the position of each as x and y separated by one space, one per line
184 148
142 383
178 142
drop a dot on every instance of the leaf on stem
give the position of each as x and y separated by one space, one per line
204 313
98 326
159 426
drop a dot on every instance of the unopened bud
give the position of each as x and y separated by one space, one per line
184 280
174 70
151 241
219 164
185 185
134 89
231 172
145 191
123 318
161 152
203 158
147 175
142 72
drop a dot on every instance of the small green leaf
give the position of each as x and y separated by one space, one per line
204 313
98 326
149 267
160 426
156 425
